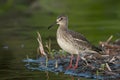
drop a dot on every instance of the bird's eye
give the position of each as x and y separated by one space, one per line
61 19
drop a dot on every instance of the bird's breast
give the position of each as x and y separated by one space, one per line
65 44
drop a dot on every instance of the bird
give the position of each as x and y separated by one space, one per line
72 42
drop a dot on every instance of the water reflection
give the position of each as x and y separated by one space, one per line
66 78
6 57
47 75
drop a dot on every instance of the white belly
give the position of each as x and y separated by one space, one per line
66 46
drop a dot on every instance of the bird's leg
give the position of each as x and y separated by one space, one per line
71 59
78 58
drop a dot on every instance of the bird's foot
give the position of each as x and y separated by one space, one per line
75 67
69 67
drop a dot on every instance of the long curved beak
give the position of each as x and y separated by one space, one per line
52 25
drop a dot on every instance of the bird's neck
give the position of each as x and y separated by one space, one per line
61 32
63 27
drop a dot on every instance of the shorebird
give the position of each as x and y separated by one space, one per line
72 42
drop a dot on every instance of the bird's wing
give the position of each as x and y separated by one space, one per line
78 36
79 39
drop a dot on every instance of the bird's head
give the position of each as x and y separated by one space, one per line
61 20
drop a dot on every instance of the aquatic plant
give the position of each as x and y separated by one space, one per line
40 49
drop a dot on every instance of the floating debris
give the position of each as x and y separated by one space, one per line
82 71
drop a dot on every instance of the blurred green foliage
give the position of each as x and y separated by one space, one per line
20 19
